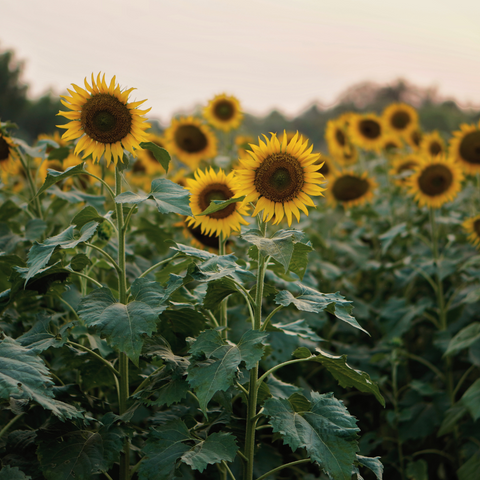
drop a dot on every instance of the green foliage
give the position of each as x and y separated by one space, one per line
218 205
160 154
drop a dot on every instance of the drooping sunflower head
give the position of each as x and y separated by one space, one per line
208 186
432 144
104 120
280 177
435 181
400 118
223 112
350 189
403 166
465 148
8 155
190 141
414 139
336 136
472 227
366 131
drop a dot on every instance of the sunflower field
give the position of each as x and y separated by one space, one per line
209 301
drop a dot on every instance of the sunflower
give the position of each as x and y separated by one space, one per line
348 156
432 144
391 143
146 162
191 141
350 189
465 148
435 181
336 136
400 118
401 165
327 166
104 119
208 186
223 112
472 226
414 139
8 155
367 131
281 177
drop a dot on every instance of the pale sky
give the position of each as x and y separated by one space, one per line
269 54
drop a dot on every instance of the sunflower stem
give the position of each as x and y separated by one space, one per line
253 388
223 321
31 184
122 293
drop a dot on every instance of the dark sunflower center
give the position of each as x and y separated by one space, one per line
190 138
349 187
476 227
470 147
4 150
340 137
435 180
325 169
224 110
206 240
435 148
216 191
391 146
400 120
279 178
406 166
138 167
416 138
370 129
105 119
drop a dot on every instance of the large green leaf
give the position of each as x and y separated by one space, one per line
88 214
326 430
39 337
8 210
53 176
216 448
160 154
310 300
471 399
168 196
215 361
23 375
464 338
40 253
218 266
280 246
35 228
299 328
469 470
372 463
13 473
217 290
217 205
417 470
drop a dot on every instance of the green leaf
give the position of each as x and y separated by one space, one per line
471 399
35 228
217 290
177 325
327 431
451 418
299 262
464 338
13 473
216 267
215 361
79 262
280 246
39 337
216 448
122 325
217 205
40 253
168 196
60 153
23 375
77 196
77 456
417 470
8 210
160 154
389 236
299 328
310 300
372 463
348 376
192 252
279 389
88 214
53 176
469 470
162 451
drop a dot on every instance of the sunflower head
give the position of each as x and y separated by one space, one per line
400 118
435 181
8 155
472 227
208 186
367 131
403 166
432 144
350 189
223 112
104 120
414 139
336 136
191 141
465 148
392 143
280 177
